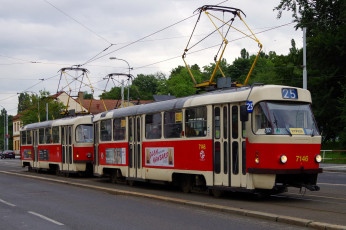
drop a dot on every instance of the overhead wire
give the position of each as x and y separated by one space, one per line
75 20
213 46
138 40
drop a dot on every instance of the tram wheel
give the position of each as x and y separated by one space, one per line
217 193
131 182
113 177
186 184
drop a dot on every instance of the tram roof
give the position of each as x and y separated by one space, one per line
172 104
62 121
224 96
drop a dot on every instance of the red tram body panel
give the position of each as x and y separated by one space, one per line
63 145
258 138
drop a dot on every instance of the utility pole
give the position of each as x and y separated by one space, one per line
305 77
128 78
46 111
6 131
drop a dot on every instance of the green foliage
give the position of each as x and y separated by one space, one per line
23 102
114 94
36 108
180 84
148 85
326 29
87 95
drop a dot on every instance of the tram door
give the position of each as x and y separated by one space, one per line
135 147
35 149
66 146
237 148
221 145
96 147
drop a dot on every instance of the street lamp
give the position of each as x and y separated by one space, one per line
129 76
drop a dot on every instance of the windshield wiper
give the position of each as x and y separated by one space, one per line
288 130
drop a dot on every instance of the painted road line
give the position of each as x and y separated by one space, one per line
238 211
7 203
332 184
46 218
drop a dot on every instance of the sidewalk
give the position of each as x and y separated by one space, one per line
333 167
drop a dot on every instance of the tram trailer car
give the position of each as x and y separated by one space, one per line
259 139
63 145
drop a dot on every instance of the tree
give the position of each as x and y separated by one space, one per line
326 28
87 95
147 85
23 102
208 70
36 109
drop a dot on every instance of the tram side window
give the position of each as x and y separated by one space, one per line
48 135
84 134
119 129
55 134
23 137
41 136
173 124
130 129
235 122
29 137
106 130
196 122
153 126
260 120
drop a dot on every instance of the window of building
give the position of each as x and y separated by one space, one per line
196 122
106 130
119 129
153 126
173 124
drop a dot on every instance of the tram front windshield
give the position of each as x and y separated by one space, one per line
284 118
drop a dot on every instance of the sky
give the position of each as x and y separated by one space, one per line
40 37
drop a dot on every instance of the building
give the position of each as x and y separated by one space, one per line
17 123
70 102
79 105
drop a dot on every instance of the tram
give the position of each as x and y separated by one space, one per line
63 145
251 138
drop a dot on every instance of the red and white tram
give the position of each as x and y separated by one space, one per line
260 138
63 145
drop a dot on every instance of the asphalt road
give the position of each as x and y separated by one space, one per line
34 204
327 205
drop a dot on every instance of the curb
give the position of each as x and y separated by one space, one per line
238 211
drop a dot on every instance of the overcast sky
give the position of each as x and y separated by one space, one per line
39 37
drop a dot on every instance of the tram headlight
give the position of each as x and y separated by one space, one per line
257 157
283 159
89 155
318 158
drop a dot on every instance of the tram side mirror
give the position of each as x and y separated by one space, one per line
244 115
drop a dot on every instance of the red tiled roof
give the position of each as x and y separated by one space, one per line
97 106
